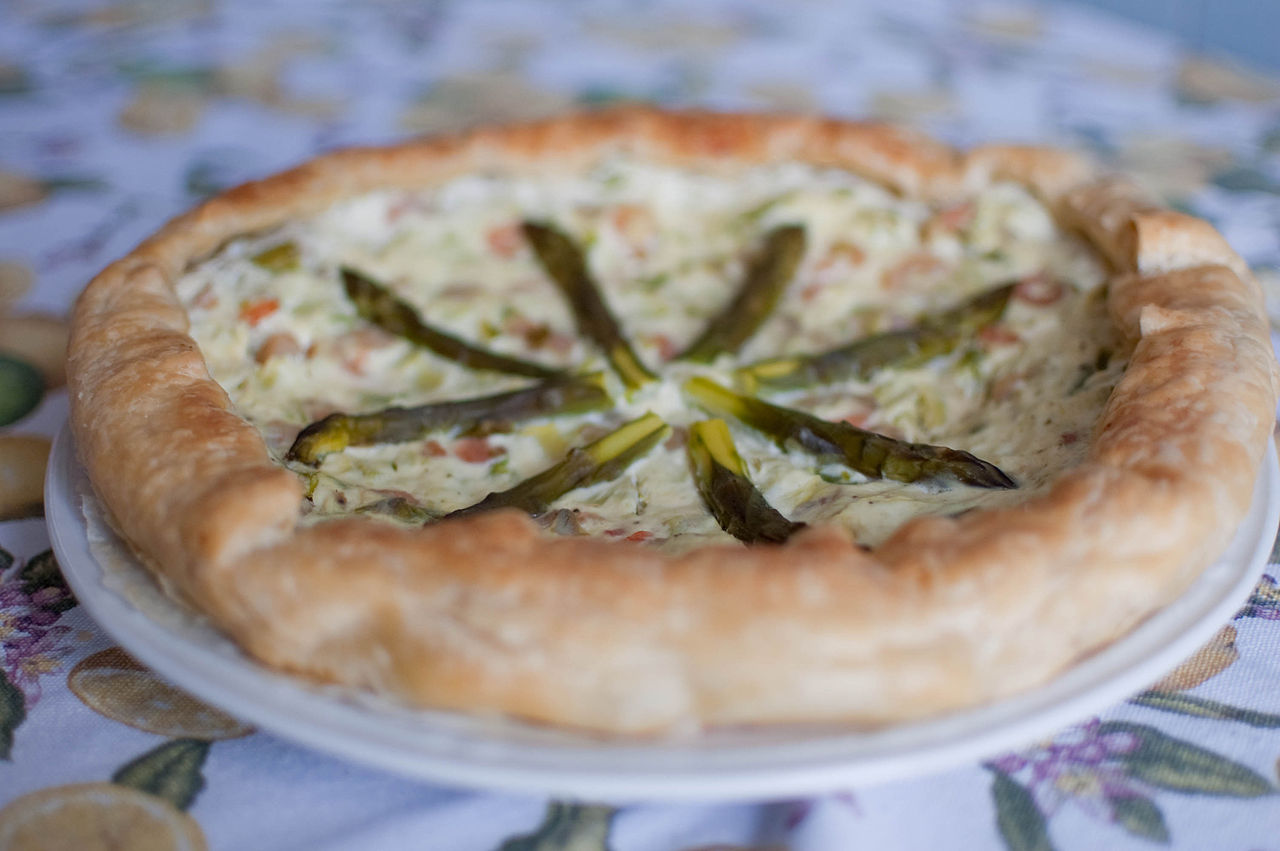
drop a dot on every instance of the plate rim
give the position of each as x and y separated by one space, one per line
445 751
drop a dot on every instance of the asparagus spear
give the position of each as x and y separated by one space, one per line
933 335
870 454
401 509
599 461
284 257
395 425
721 477
765 280
376 304
565 265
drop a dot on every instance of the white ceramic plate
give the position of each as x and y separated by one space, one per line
498 754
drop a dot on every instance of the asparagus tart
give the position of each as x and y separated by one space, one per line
638 420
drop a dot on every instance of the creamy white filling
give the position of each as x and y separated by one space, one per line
668 248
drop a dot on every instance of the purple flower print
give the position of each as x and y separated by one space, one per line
1110 771
30 656
32 600
1082 766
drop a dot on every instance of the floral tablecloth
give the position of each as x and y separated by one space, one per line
115 116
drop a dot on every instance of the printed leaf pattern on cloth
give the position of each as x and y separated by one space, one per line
1021 823
13 706
42 582
1200 707
13 711
1111 771
170 771
1140 817
23 458
567 827
1180 766
21 389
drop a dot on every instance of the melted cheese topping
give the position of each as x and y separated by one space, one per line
667 247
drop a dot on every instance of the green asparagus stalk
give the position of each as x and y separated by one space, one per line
564 264
721 477
284 257
402 509
766 278
933 335
376 304
396 425
599 461
873 455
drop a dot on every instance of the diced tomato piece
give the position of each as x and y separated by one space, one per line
559 343
833 268
842 253
258 309
950 220
352 348
810 292
278 345
666 348
679 438
637 227
473 450
537 335
615 533
206 298
627 216
914 271
998 335
642 535
435 449
1039 290
1006 386
856 418
635 222
400 206
505 240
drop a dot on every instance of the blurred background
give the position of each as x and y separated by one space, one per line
1239 28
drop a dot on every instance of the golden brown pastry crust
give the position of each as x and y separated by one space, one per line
485 614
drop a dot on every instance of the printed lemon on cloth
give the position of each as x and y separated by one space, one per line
111 683
22 463
39 340
97 817
1212 659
